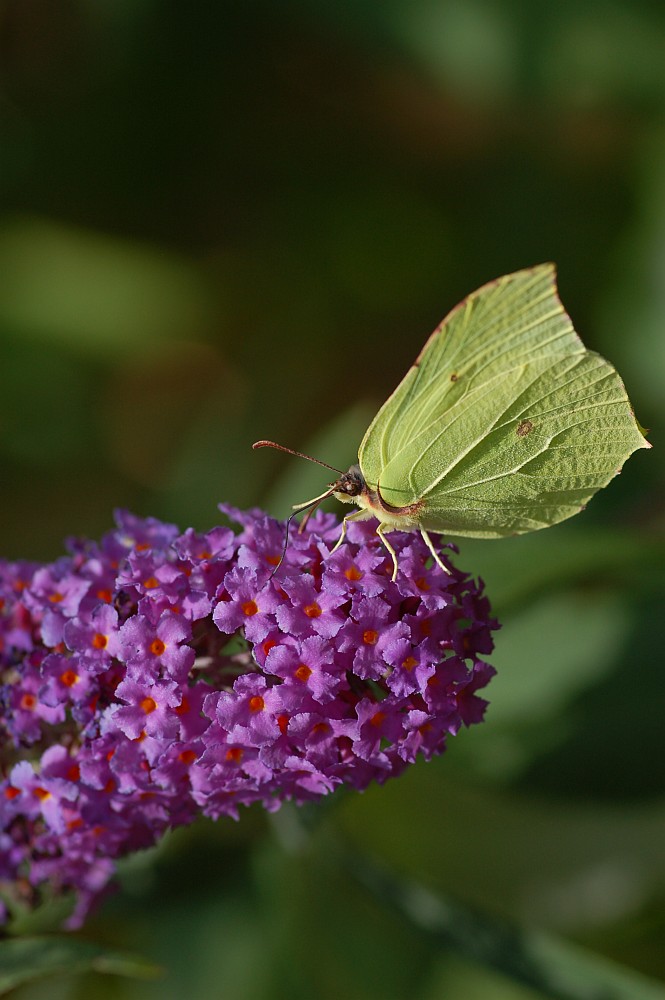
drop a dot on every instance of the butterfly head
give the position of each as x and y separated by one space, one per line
350 485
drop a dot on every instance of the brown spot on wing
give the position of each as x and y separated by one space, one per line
523 428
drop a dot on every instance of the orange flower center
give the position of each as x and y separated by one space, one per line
99 641
312 610
183 707
69 678
157 647
283 723
249 608
370 637
256 704
148 705
302 673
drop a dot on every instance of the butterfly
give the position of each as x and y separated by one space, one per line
504 424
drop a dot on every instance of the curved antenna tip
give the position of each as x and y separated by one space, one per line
298 454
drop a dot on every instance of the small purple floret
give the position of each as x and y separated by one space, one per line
155 676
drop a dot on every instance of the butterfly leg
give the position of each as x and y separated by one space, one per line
435 554
382 535
358 515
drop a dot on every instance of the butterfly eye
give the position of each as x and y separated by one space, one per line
352 483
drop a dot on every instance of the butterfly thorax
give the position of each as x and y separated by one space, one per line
352 487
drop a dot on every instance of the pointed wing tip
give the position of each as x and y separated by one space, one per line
639 445
644 431
548 270
546 267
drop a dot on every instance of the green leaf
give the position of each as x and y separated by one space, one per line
97 294
521 568
557 968
23 960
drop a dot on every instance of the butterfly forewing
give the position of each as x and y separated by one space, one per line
508 321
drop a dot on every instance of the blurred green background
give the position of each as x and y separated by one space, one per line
223 221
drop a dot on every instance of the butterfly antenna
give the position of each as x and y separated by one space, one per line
298 454
286 542
312 504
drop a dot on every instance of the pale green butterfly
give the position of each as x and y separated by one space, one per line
504 424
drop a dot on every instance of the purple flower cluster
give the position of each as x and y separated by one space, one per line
157 676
